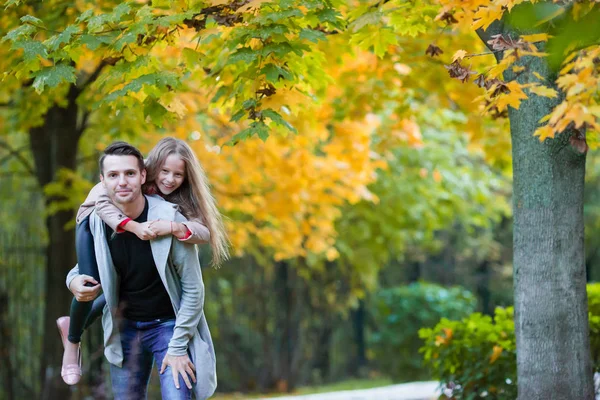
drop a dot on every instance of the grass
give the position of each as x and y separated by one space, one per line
351 384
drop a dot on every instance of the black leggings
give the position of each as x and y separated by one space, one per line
83 314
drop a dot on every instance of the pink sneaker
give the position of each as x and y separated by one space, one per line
71 373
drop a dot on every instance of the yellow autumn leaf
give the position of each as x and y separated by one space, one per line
497 350
440 340
448 332
252 4
537 37
544 133
459 55
544 91
332 254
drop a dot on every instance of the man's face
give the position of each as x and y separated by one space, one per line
122 178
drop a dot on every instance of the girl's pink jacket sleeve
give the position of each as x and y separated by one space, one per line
98 199
200 233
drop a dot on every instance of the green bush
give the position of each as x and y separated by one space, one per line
476 357
593 292
399 312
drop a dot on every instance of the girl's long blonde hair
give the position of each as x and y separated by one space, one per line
193 196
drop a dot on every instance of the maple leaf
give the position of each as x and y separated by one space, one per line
544 91
544 132
433 50
537 37
459 55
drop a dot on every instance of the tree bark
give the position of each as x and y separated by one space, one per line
54 146
551 320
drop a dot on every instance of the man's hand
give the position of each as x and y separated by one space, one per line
179 365
84 293
142 231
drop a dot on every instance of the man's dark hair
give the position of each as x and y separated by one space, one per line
121 149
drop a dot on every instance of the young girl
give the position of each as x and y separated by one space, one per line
172 172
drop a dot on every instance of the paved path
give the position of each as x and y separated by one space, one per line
405 391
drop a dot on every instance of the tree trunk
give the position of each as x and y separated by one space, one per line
358 327
551 321
483 287
5 346
54 146
285 300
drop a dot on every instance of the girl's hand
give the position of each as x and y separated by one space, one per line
160 227
142 231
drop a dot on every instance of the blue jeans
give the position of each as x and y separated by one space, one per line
143 343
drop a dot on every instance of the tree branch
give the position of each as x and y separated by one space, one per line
496 28
94 75
18 156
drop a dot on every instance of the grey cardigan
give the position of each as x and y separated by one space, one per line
179 269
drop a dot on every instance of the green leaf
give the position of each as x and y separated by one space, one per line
276 16
23 30
329 15
55 41
220 93
372 18
87 14
53 76
245 54
192 57
92 42
270 31
278 119
256 128
238 115
96 23
32 20
124 40
160 81
118 13
274 73
281 49
249 104
32 49
155 111
312 35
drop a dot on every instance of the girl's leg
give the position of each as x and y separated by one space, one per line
96 312
71 368
86 258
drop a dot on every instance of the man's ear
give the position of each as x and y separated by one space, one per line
102 179
143 174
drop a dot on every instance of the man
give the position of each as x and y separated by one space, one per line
158 284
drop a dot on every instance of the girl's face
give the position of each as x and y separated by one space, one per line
171 175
